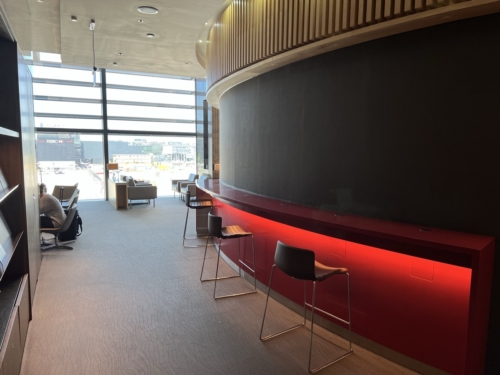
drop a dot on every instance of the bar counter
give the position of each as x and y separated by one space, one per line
422 292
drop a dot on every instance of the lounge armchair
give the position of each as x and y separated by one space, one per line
141 192
64 192
56 231
176 184
191 186
72 201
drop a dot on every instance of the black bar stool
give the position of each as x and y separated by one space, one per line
195 205
301 264
215 229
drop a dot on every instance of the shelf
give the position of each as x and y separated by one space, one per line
9 289
8 132
8 193
9 248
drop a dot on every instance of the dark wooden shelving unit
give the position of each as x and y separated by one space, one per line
8 297
20 256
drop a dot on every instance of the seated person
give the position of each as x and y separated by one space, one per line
51 211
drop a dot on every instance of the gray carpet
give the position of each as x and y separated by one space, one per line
128 300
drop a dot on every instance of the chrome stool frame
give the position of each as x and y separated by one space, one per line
236 232
318 275
195 205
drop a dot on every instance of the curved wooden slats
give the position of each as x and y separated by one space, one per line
249 31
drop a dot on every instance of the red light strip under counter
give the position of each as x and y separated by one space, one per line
423 293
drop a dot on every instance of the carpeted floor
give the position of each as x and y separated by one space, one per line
128 300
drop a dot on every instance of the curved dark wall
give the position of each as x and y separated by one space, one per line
405 128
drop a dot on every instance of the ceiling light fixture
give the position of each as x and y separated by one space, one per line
150 35
94 68
115 63
140 21
120 54
147 10
40 1
74 19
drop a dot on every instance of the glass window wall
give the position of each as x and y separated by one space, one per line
150 97
66 91
63 74
155 82
170 127
67 123
154 108
69 108
153 159
70 158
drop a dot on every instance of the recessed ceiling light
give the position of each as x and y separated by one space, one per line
140 21
147 10
40 1
115 63
150 35
74 19
120 53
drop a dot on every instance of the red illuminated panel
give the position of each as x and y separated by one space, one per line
414 306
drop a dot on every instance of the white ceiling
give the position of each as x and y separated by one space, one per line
180 24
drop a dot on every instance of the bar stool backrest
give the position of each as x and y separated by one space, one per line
295 262
187 199
214 226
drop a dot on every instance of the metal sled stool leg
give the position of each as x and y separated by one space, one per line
300 264
216 230
195 205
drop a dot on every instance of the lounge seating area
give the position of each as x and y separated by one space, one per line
179 185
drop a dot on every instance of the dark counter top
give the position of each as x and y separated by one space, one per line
430 243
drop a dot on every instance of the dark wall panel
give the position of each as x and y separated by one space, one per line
405 128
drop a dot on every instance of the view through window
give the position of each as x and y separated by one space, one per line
75 125
153 159
71 158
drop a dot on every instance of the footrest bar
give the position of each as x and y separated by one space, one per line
327 313
247 266
330 363
221 278
281 332
234 295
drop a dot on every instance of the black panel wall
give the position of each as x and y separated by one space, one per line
405 128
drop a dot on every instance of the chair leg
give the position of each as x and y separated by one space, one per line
56 245
204 257
185 226
348 352
227 277
203 265
265 338
247 266
184 238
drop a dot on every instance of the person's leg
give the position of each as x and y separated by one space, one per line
46 222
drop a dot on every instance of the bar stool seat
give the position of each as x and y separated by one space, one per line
323 272
301 264
215 229
194 205
234 231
